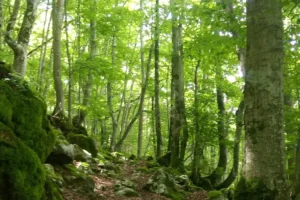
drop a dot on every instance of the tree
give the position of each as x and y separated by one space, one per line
57 15
20 46
264 167
179 129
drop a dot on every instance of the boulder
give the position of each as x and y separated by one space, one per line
85 142
125 188
128 192
22 176
77 180
163 183
53 185
25 114
61 154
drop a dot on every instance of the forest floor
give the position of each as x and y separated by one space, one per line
104 187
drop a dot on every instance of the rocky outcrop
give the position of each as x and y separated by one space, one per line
26 139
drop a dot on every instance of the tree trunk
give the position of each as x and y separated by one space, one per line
236 149
141 117
178 121
142 97
20 46
198 151
264 168
57 13
70 82
157 89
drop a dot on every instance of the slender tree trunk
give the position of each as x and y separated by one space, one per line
141 117
157 89
264 168
198 148
43 52
70 82
57 14
20 46
236 149
142 97
1 22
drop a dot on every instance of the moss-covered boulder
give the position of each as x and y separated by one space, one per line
217 195
22 176
53 185
25 113
84 142
164 183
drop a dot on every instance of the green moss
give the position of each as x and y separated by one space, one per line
52 186
84 142
25 113
214 194
22 176
253 189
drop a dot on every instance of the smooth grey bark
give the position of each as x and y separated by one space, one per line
156 87
57 15
20 45
88 81
264 121
70 75
43 51
109 101
179 125
141 117
198 147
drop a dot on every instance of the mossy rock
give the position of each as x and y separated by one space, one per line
53 185
22 175
25 113
253 189
84 142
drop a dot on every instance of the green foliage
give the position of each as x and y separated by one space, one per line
214 194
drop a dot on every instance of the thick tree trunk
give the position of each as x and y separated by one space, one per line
178 120
20 45
57 13
264 168
157 89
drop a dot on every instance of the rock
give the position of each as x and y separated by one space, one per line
165 159
128 192
61 154
81 154
163 183
53 185
26 114
132 157
80 130
77 180
22 176
84 142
